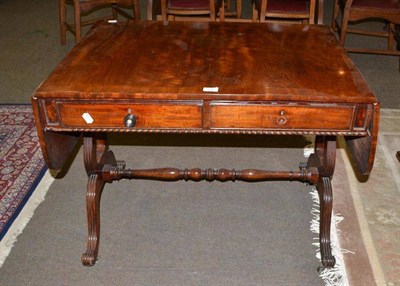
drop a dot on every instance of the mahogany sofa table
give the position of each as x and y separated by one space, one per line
223 78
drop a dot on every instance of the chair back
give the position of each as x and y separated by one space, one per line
284 10
355 11
84 7
192 10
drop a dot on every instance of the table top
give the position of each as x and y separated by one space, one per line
177 60
264 79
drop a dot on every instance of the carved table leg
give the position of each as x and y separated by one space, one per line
96 154
324 159
94 188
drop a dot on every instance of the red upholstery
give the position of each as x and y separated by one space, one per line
288 6
380 4
189 4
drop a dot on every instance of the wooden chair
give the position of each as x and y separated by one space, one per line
85 7
366 10
205 10
284 10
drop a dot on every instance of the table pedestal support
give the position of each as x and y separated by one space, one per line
102 167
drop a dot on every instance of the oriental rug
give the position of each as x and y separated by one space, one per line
21 167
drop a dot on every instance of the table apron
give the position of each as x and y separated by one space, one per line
202 116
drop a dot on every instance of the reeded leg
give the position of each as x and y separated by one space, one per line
94 188
324 159
325 196
96 155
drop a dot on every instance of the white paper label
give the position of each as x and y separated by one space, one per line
210 89
88 118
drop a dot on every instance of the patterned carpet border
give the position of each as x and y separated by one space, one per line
21 162
371 210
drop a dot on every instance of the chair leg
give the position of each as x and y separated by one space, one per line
391 37
345 21
164 10
136 9
311 17
255 15
114 11
228 5
117 10
336 7
263 10
213 11
77 19
239 9
396 35
63 27
222 11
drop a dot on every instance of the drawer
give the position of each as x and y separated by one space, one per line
275 116
146 115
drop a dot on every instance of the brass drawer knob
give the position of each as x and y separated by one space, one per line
130 120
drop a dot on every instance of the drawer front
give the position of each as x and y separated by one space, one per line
150 115
299 117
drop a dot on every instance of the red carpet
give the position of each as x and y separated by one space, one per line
21 162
